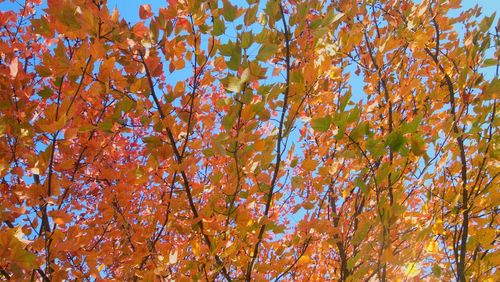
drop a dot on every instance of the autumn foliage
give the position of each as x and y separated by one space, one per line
259 141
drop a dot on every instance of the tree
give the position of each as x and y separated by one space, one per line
216 140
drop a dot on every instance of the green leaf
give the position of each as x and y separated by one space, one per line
395 140
296 76
41 26
106 126
153 140
344 100
358 132
485 24
20 257
417 145
267 51
43 71
490 62
272 11
436 270
375 147
208 152
412 126
316 23
219 27
227 122
126 104
354 115
320 32
46 92
247 96
351 262
230 12
494 87
359 236
235 60
359 182
251 15
321 124
246 40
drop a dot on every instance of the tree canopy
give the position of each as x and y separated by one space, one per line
347 140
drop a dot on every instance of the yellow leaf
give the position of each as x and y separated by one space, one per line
432 247
196 248
345 193
412 269
304 260
486 236
438 227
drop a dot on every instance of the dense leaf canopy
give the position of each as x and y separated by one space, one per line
347 140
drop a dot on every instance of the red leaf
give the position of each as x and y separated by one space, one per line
145 11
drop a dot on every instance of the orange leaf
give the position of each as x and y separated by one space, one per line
309 164
140 29
60 217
